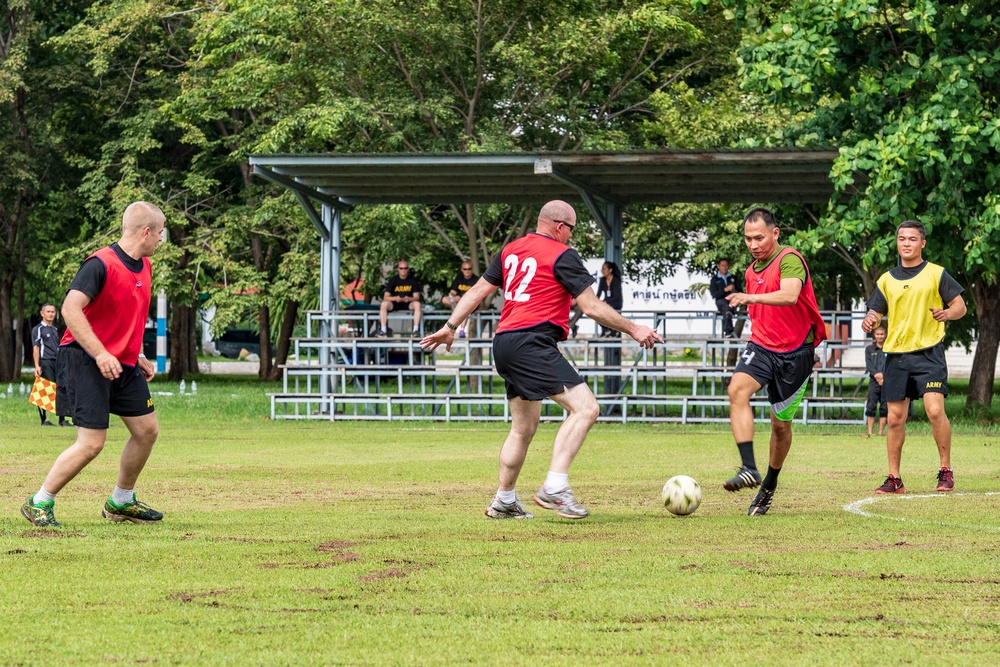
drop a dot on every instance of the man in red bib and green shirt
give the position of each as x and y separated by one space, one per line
540 275
914 296
786 326
102 370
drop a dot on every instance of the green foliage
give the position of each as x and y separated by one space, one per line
908 90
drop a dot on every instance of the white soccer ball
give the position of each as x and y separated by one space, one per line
681 495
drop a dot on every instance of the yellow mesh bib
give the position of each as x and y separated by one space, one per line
911 325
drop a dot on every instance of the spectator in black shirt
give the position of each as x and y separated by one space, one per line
722 285
402 291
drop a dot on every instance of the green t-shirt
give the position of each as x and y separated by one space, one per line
791 265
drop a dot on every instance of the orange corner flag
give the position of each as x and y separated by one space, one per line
43 394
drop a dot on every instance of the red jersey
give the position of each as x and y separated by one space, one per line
118 313
532 293
783 328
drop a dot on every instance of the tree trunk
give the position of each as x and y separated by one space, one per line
284 339
183 341
266 365
984 364
7 353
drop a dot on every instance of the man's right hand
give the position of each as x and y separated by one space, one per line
646 337
109 365
38 371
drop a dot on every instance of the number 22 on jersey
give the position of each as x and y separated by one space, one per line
526 271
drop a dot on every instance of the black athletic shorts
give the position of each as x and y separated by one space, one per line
89 398
913 374
50 369
875 405
785 374
532 366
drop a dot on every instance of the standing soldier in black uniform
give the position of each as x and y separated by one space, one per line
44 344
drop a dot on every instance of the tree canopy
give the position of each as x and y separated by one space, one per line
908 90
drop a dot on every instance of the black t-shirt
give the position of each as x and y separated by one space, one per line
948 288
461 284
46 339
611 294
92 274
408 286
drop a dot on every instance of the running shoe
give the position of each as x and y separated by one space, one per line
946 480
746 478
891 485
562 502
498 509
134 511
40 514
761 502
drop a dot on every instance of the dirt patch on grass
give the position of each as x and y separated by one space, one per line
389 573
334 546
46 533
184 596
245 540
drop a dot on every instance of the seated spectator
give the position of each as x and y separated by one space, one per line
462 283
402 291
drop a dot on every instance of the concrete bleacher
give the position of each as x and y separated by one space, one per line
349 375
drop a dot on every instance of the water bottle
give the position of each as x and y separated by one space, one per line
183 387
10 390
194 387
21 389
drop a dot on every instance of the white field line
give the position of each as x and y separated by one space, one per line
857 507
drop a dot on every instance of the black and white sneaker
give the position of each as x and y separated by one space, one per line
746 478
761 503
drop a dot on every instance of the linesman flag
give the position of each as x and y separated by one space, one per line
43 394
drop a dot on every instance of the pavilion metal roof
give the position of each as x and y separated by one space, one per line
731 175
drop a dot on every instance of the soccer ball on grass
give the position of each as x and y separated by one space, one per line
681 495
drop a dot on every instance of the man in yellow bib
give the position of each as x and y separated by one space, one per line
918 297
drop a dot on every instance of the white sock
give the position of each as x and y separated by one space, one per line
43 496
556 481
506 496
382 329
122 496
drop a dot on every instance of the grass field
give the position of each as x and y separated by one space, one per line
327 544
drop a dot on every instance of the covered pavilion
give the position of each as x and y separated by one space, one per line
327 186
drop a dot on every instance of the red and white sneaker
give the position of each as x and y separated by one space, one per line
891 485
946 480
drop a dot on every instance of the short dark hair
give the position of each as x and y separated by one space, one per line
46 305
914 224
761 214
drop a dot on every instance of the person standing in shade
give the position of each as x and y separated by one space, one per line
102 370
44 345
918 297
787 326
462 283
876 406
609 290
402 291
540 274
721 286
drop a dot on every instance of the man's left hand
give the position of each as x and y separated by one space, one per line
146 367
